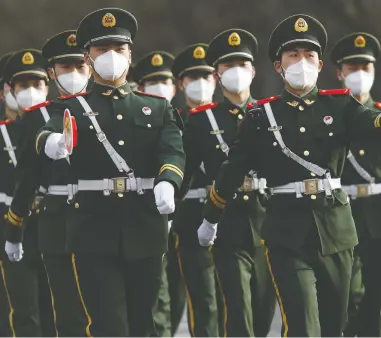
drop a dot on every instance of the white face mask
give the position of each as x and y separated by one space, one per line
11 101
111 65
72 83
359 82
30 97
161 89
237 79
200 90
301 75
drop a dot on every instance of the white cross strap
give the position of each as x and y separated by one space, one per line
45 114
119 162
8 144
360 170
216 131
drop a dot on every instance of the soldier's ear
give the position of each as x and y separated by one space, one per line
339 74
87 59
180 84
278 67
320 67
51 73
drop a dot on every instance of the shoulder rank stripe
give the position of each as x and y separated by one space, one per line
202 108
66 97
262 102
40 105
378 105
334 91
139 92
6 122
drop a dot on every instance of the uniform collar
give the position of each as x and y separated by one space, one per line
294 101
234 109
110 91
369 103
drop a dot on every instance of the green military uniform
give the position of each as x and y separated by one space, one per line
27 284
156 66
196 263
115 232
360 179
248 297
309 229
70 319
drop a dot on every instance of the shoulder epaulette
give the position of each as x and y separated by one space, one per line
139 92
377 105
262 102
66 97
6 122
202 108
40 105
345 91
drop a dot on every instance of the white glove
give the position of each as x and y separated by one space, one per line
55 146
207 233
165 197
14 251
169 226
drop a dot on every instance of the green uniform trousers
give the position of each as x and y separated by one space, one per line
367 323
197 270
119 296
312 291
247 291
70 318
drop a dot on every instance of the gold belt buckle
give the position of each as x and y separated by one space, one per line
247 185
362 190
311 187
120 184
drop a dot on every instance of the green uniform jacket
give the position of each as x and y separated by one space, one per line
241 225
143 130
317 127
366 211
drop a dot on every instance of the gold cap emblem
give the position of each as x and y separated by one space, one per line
199 53
71 40
301 25
108 20
27 59
157 60
234 39
360 42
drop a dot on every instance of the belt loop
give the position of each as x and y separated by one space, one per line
298 189
106 187
139 187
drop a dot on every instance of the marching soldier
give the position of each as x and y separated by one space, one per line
239 256
354 56
117 224
196 80
70 73
152 73
299 141
28 291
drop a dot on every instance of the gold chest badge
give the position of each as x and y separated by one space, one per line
234 39
199 53
28 59
71 40
301 25
157 60
108 20
360 42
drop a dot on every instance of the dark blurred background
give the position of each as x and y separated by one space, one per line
171 25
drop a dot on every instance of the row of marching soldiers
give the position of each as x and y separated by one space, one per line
266 196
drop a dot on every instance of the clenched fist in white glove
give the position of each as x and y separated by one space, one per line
55 146
165 197
14 251
207 233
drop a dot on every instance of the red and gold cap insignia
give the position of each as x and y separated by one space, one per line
71 40
28 59
301 25
157 60
199 53
108 20
360 42
234 39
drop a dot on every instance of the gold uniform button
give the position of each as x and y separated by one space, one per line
217 146
301 108
76 205
148 125
91 127
10 161
119 117
302 129
5 216
37 211
306 153
362 152
313 175
120 195
240 117
115 97
313 197
275 144
330 134
121 142
245 198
